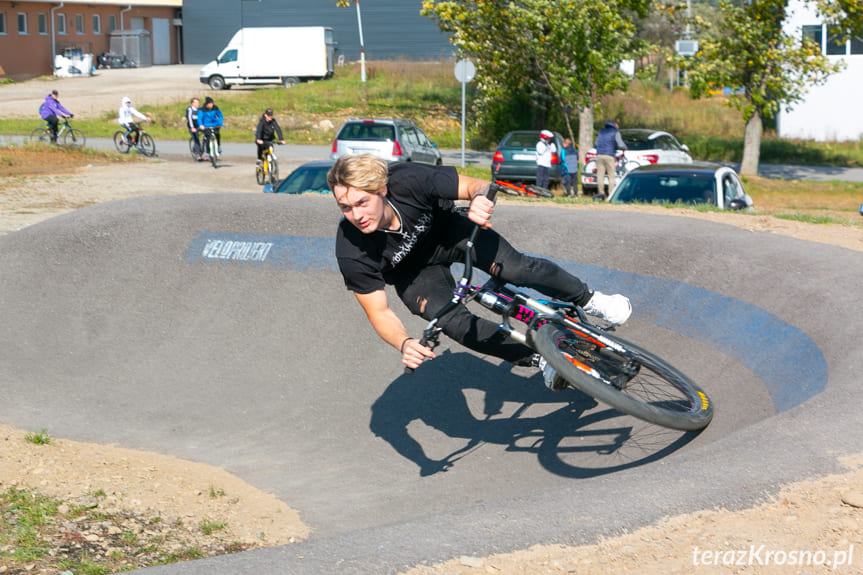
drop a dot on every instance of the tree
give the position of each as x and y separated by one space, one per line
772 69
567 52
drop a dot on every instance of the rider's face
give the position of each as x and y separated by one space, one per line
365 210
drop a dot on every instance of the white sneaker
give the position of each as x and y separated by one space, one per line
549 375
614 309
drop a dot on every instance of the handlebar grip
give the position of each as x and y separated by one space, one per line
492 191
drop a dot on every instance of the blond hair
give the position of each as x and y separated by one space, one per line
362 171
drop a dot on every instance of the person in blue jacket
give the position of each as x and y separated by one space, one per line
51 111
210 116
569 161
608 141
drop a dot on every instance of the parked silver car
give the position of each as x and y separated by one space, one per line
392 140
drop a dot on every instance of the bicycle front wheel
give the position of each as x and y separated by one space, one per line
120 142
274 171
214 152
146 144
260 174
74 137
40 135
623 375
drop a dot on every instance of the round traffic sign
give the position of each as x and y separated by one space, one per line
464 71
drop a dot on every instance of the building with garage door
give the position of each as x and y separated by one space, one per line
33 33
391 28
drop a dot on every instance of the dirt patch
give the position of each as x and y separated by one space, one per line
809 516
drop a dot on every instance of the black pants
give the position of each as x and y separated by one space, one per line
196 138
426 286
54 123
542 176
263 148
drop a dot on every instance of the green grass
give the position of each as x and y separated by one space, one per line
41 438
428 93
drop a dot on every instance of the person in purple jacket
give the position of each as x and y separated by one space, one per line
51 111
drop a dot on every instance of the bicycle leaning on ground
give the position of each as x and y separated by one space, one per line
66 134
210 146
584 353
532 191
137 138
267 170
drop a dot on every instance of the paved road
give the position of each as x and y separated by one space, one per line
137 334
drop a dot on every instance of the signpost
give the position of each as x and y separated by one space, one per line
465 71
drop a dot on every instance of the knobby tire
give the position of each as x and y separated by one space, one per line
541 192
630 379
260 174
214 151
273 171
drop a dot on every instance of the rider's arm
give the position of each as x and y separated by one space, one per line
391 329
481 207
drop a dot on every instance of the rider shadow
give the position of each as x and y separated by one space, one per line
572 435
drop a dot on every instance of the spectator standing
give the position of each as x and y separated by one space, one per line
51 111
192 126
608 141
569 161
545 148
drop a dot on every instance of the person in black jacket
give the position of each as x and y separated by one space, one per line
266 132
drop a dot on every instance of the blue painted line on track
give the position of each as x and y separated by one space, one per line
789 363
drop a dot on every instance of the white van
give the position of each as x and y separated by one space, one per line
285 56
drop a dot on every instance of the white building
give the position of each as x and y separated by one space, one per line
832 111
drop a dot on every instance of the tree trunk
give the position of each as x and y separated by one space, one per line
585 138
751 145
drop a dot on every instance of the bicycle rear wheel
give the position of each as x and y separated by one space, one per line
260 174
40 135
509 189
623 375
74 137
192 148
146 144
120 142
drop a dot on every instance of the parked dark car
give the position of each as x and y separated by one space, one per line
514 159
308 178
695 183
392 140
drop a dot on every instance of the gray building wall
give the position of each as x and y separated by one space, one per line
391 28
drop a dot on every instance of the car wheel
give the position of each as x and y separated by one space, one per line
217 83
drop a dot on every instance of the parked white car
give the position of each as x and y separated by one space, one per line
644 147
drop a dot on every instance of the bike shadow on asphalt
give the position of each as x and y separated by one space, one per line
570 433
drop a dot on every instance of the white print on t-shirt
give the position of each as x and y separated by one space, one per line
409 240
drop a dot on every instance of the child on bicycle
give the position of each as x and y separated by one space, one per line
51 110
399 228
125 118
266 132
210 116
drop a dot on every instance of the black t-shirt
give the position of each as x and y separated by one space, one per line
418 193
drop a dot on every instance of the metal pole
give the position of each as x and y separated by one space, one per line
463 86
362 47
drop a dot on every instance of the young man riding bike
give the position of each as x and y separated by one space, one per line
399 228
126 117
266 132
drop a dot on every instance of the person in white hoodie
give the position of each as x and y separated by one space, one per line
126 117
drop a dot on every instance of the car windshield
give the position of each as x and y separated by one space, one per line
306 180
638 141
664 188
367 131
521 140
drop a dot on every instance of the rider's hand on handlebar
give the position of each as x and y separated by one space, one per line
414 353
480 211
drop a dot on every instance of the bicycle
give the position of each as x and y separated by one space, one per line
523 190
142 141
583 352
65 134
267 171
210 146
